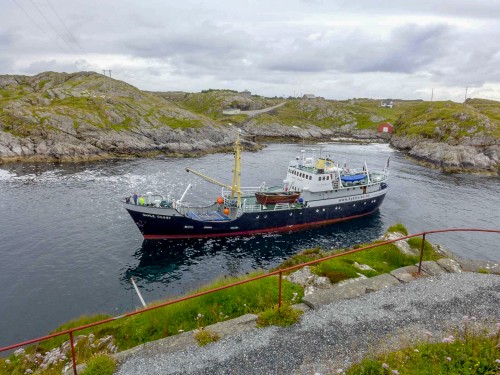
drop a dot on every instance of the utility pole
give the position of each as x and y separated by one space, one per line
105 88
110 83
432 94
107 83
466 94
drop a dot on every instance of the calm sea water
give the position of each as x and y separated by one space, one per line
67 247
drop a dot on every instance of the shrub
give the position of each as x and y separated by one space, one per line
100 365
284 316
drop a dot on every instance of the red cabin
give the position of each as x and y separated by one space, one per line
385 128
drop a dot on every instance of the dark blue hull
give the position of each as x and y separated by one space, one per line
157 226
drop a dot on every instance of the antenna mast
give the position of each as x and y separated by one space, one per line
236 183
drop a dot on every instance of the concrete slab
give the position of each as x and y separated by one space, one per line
449 265
380 282
405 274
229 327
432 268
479 266
169 344
326 296
301 307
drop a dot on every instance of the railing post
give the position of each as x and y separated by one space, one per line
279 292
421 253
73 357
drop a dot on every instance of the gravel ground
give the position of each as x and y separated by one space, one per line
339 334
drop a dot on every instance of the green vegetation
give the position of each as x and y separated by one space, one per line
204 337
381 259
364 113
29 99
199 312
303 257
399 228
445 120
211 103
429 252
254 297
469 351
284 316
100 365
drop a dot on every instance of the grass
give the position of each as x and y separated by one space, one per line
381 259
470 350
100 365
399 228
204 337
429 252
284 316
254 297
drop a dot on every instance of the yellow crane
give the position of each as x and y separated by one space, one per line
236 183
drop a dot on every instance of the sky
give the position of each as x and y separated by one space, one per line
405 49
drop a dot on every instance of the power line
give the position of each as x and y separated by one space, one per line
53 27
40 27
73 39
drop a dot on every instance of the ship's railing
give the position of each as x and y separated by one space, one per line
251 207
183 207
70 332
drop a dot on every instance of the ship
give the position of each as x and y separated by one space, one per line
315 192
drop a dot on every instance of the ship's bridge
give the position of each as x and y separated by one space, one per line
311 175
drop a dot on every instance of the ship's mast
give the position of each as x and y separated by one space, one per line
236 183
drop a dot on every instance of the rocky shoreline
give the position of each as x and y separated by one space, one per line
75 117
470 158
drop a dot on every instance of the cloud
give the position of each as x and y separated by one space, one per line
326 47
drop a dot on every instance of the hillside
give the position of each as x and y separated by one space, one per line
297 118
82 116
354 114
211 103
456 137
86 115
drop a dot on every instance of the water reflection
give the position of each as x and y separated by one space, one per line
168 264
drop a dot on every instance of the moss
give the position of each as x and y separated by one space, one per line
400 228
204 337
483 270
42 83
122 126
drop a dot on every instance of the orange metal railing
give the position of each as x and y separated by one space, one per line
279 273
